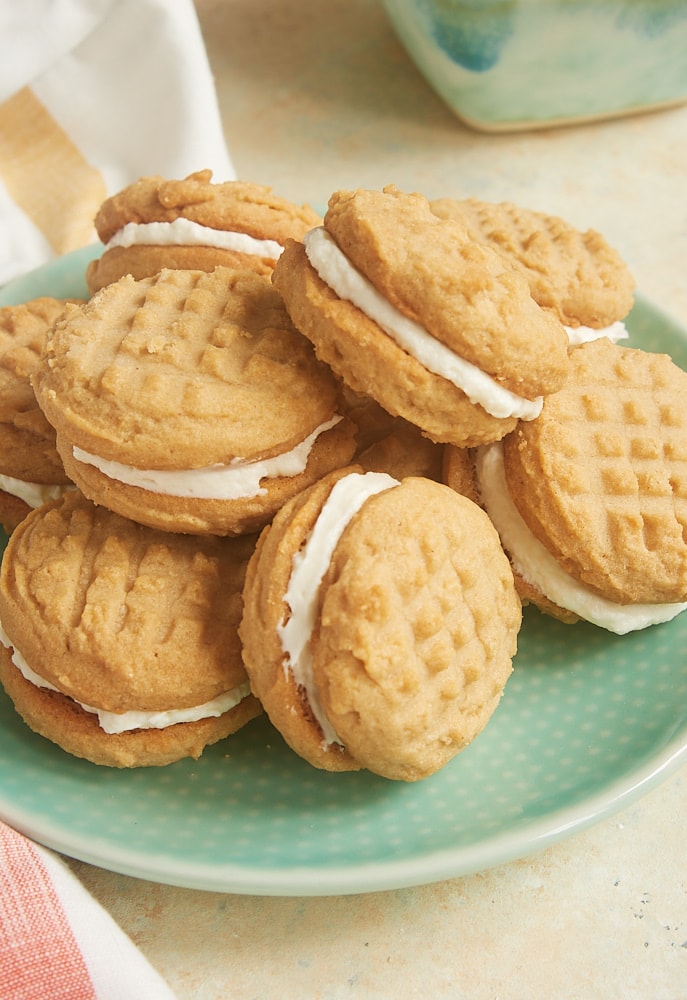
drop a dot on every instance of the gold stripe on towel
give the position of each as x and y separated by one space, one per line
46 175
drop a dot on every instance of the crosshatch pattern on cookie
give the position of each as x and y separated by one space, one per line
172 371
407 628
22 333
601 476
23 330
113 594
574 272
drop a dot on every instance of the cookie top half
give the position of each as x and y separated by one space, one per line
122 617
417 628
183 370
600 477
23 330
459 290
575 273
237 206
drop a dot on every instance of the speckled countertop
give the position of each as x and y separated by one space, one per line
318 96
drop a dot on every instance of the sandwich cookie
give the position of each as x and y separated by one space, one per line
193 224
590 499
31 471
380 621
576 274
187 401
119 642
407 308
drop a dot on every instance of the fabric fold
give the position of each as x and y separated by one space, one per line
56 941
124 90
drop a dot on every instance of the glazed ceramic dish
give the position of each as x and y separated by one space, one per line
588 723
520 64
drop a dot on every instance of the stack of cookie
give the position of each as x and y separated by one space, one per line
299 448
185 409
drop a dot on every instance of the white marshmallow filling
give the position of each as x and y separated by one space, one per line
237 480
122 722
583 334
309 566
335 269
33 494
532 560
184 232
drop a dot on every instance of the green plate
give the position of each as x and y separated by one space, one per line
589 722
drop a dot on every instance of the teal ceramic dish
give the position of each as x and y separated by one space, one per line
588 723
521 64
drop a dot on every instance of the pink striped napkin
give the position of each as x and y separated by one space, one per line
56 941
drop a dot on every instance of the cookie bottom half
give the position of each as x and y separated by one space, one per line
200 516
59 719
146 261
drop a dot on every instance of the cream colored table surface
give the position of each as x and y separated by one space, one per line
317 96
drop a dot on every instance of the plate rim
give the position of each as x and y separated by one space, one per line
433 866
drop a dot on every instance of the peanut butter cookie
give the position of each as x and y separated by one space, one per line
590 499
188 401
193 224
119 642
576 274
409 309
380 621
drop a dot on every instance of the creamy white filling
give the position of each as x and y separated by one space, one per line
309 566
122 722
335 269
534 562
235 481
583 334
184 232
33 494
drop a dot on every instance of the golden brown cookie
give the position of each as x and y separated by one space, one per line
458 471
193 224
120 642
371 420
31 470
188 401
407 308
403 451
590 499
391 444
380 621
577 274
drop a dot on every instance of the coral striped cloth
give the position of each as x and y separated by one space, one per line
56 941
93 95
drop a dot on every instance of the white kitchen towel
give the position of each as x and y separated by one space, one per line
93 95
56 941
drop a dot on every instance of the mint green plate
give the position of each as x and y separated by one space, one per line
588 723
